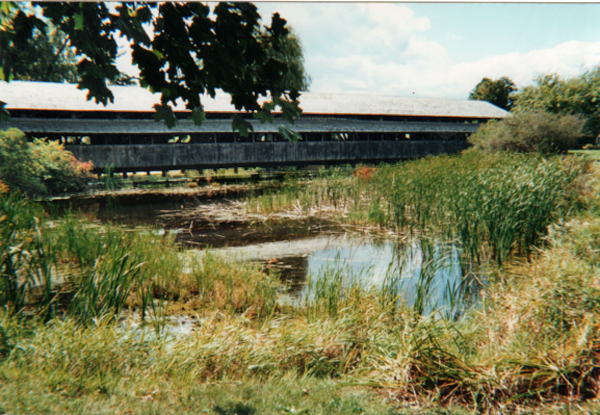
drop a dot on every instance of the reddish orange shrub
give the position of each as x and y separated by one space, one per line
364 173
40 167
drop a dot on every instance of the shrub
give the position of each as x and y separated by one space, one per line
527 132
41 167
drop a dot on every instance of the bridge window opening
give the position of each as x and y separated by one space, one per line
240 139
141 139
341 137
311 136
149 139
268 137
117 139
226 138
427 136
279 138
202 138
447 136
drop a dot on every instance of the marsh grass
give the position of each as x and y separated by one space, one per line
493 205
352 348
533 339
26 261
233 287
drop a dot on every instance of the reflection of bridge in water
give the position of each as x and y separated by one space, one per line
335 129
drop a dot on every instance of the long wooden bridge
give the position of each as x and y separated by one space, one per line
335 129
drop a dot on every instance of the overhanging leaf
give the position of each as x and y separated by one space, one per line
198 116
78 19
241 125
4 76
5 8
289 109
264 116
4 114
288 134
164 112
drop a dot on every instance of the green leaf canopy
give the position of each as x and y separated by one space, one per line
183 51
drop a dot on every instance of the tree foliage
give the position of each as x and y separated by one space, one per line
46 56
527 132
498 92
578 95
191 50
291 54
41 167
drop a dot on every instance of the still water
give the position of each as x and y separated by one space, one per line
432 276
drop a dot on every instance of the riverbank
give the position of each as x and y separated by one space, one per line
530 344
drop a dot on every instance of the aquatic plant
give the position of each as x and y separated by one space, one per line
532 340
493 204
229 286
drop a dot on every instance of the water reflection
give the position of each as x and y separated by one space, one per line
428 277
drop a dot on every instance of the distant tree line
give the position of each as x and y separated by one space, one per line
559 112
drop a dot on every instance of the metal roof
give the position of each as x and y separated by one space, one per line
66 97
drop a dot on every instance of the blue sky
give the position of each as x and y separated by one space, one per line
439 49
436 49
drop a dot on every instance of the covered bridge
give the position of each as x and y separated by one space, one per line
335 128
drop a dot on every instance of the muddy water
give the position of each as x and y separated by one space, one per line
161 214
303 252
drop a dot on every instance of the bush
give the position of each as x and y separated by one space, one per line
40 168
527 132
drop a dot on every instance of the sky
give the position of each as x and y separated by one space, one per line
439 50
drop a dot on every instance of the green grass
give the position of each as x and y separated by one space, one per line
493 205
592 154
278 397
531 343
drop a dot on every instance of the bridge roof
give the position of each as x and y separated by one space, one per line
66 97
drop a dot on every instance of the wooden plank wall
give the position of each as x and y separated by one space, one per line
264 154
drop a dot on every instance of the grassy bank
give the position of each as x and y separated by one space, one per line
531 343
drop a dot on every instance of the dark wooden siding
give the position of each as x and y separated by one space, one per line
218 155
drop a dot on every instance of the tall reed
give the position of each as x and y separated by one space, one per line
226 285
493 204
27 262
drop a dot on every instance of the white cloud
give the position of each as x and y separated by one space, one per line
124 63
360 46
428 71
453 36
385 48
567 59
